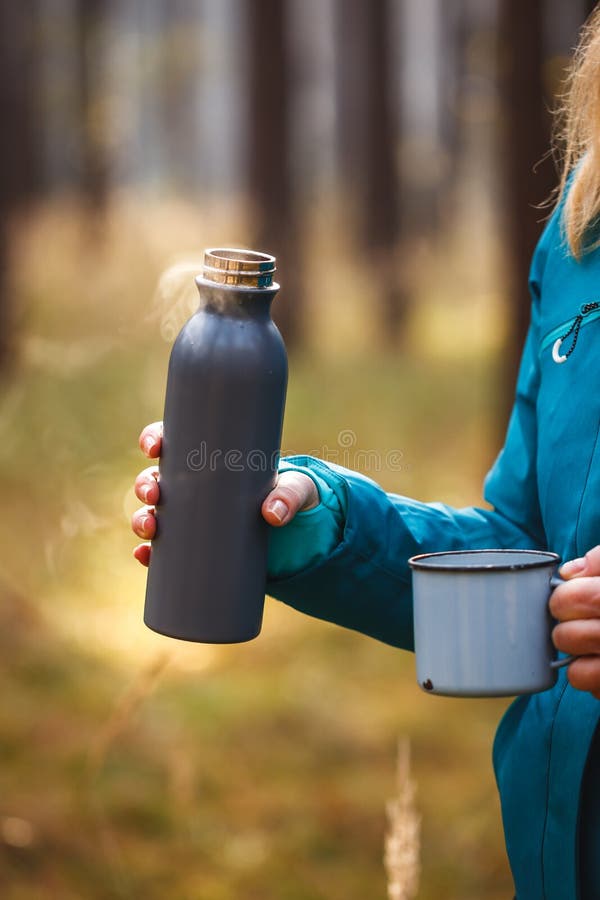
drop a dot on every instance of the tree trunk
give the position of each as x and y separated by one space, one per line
351 100
90 16
381 211
20 174
368 140
179 78
453 75
525 139
269 164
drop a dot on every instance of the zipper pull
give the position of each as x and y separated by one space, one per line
559 357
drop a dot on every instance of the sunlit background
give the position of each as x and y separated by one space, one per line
385 152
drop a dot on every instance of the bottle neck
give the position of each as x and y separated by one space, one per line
235 301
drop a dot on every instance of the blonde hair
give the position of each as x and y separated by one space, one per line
578 139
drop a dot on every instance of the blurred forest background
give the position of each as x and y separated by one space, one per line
387 152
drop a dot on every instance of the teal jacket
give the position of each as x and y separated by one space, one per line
346 562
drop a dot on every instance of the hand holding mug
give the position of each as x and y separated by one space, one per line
576 606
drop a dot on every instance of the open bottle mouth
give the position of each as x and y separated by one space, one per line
242 267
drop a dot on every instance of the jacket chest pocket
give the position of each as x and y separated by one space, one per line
569 440
563 339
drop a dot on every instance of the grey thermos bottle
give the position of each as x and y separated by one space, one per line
222 431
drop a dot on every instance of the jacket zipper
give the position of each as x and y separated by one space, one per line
588 312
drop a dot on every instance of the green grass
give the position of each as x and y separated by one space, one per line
148 769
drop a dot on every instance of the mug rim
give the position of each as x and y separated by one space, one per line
547 558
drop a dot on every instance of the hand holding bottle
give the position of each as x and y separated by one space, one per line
293 493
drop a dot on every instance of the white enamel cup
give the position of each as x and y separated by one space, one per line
482 623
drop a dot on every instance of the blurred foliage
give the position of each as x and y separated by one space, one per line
133 766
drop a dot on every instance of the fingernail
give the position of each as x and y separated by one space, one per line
148 444
279 509
146 492
573 567
145 523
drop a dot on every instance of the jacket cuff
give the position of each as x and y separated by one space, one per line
312 535
354 585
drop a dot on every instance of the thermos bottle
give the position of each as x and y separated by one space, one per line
222 431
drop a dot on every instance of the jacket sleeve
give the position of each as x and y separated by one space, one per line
363 582
311 535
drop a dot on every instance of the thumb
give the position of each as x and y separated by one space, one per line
583 565
293 492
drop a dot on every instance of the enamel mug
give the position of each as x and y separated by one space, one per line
482 623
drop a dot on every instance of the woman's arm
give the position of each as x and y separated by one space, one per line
363 582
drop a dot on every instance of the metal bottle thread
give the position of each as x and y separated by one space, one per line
247 268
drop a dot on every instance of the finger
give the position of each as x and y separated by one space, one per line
576 599
583 565
584 674
146 486
142 553
151 440
143 523
293 492
579 638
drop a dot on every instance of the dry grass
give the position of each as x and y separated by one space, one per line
402 842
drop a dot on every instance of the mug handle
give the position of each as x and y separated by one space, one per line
566 660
